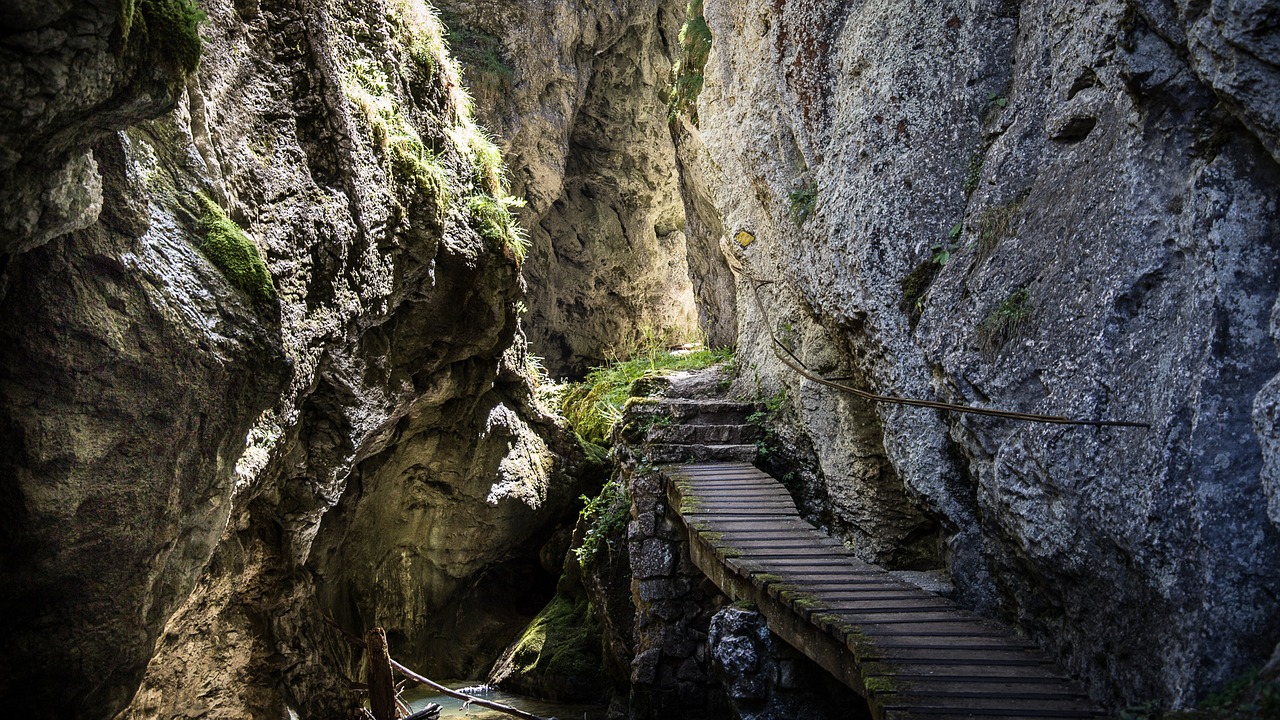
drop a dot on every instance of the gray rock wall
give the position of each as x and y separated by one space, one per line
1102 176
193 480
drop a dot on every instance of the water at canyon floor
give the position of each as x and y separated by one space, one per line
455 709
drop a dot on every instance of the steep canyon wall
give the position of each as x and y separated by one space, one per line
1054 207
583 124
198 470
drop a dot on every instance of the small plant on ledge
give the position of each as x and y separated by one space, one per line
1007 320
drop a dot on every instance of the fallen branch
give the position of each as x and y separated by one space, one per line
463 696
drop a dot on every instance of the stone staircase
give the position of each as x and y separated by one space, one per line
683 429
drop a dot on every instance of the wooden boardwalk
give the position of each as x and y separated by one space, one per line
910 653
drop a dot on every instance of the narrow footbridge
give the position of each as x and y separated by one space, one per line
910 653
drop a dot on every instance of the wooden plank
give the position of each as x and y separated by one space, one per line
873 605
923 655
950 672
912 712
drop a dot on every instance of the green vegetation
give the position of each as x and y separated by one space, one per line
973 174
595 405
769 444
915 288
490 208
487 74
605 517
492 218
687 72
166 30
368 88
1006 320
803 202
227 247
563 641
993 226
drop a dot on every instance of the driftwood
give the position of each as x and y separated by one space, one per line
378 637
382 685
516 712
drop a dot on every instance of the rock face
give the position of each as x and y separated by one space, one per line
196 478
1098 179
765 679
584 129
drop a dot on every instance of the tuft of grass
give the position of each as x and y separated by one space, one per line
421 31
595 405
605 517
492 218
687 73
803 203
1006 320
487 74
993 226
490 171
227 247
166 30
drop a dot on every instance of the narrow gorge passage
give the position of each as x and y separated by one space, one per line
319 316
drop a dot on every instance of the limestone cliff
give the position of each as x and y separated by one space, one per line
1057 207
583 123
261 341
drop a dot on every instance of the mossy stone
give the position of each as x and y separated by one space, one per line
227 247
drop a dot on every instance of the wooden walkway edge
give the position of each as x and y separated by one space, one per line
910 653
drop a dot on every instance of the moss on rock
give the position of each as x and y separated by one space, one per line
226 246
166 30
558 656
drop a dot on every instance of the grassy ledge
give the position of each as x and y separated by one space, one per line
595 405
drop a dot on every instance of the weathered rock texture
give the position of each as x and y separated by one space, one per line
1103 178
190 471
766 679
584 128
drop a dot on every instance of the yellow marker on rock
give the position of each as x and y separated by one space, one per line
744 238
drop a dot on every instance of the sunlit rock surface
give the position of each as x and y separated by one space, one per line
583 122
1099 179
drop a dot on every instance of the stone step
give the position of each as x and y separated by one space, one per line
684 411
663 453
672 434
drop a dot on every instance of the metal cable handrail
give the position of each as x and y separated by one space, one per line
788 358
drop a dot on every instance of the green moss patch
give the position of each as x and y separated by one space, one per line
227 247
558 656
687 73
915 287
166 30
